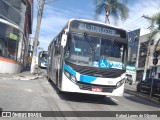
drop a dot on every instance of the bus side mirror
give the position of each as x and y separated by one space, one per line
64 40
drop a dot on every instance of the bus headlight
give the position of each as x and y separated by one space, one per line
43 62
120 83
67 74
73 78
70 76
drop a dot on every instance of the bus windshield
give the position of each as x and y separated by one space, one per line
43 56
94 51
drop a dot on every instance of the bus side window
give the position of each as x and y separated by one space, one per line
56 46
41 55
59 45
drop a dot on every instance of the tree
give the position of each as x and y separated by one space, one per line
155 28
155 20
112 8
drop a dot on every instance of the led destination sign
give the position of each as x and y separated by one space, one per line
93 28
98 28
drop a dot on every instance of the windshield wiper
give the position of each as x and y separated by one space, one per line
110 46
90 44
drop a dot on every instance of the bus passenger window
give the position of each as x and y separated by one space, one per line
41 55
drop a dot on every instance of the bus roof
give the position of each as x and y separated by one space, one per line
44 52
91 21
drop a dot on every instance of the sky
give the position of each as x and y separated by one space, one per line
58 12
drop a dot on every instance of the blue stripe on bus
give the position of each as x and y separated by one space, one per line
87 79
70 70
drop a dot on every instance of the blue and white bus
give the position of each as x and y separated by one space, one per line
88 57
42 59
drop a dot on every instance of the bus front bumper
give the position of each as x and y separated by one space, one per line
69 86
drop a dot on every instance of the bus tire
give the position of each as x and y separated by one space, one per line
49 79
58 90
57 79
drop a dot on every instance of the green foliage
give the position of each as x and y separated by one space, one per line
155 27
155 20
118 10
155 24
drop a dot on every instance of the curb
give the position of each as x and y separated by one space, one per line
21 78
141 95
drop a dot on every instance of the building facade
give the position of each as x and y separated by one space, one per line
133 37
137 53
143 47
15 27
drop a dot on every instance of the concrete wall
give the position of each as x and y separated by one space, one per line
8 67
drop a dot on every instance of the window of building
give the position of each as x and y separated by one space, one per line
10 42
158 75
13 11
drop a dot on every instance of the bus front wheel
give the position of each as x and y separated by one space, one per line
57 85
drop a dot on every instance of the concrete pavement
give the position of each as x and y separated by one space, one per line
132 89
39 73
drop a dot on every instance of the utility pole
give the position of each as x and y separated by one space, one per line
148 51
147 59
39 18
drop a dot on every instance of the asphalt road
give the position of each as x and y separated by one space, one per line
41 95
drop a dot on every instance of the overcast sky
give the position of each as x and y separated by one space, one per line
57 13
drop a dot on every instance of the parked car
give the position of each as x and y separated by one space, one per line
145 86
129 79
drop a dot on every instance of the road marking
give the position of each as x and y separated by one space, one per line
114 99
8 86
29 90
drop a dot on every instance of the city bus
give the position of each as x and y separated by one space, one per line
42 59
88 57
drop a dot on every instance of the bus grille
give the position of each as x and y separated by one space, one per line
85 86
97 72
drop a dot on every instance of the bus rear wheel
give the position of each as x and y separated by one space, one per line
57 85
49 79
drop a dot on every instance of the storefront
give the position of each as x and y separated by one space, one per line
10 48
15 27
131 70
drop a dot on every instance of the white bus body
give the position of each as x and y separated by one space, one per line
89 57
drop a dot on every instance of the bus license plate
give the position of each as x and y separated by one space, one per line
96 89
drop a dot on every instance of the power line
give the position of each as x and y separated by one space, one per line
156 2
137 22
152 5
133 21
138 25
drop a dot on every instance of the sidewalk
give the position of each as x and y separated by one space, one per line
131 89
24 75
